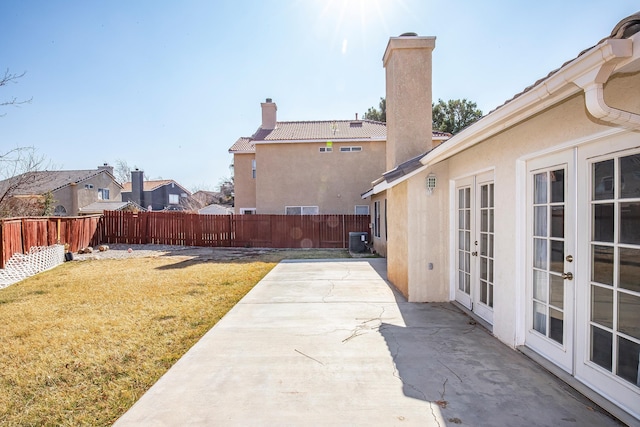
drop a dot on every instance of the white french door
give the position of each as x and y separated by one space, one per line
583 265
609 289
475 208
550 257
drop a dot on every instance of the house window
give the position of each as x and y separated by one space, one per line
362 210
174 199
253 168
350 149
103 194
248 211
376 218
326 149
60 211
88 186
301 210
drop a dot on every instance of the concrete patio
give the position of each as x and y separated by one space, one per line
329 342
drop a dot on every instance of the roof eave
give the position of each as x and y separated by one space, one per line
550 91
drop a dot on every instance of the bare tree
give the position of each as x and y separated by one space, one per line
122 171
19 169
12 78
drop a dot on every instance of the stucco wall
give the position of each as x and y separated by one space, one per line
561 124
398 245
298 174
243 181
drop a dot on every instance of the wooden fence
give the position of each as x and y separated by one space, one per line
268 231
18 235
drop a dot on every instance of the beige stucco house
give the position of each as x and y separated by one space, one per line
529 218
308 167
72 190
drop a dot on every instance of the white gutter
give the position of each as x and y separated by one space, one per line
593 86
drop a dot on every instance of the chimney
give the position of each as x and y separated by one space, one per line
407 62
106 167
137 181
74 199
269 116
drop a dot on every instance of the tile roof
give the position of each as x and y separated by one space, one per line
332 130
108 205
151 185
44 181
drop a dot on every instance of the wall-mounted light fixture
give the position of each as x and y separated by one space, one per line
431 183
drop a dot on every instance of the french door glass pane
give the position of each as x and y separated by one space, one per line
540 188
556 327
557 221
540 221
557 186
602 306
602 264
540 253
603 221
483 291
629 172
630 223
601 345
628 309
556 291
603 182
540 285
629 269
540 318
628 360
557 256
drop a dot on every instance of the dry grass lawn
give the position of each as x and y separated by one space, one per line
81 343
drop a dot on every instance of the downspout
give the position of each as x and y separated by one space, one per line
613 52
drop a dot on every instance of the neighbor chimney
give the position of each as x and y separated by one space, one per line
137 181
106 167
407 61
269 116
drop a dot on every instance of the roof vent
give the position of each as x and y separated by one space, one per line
269 100
409 35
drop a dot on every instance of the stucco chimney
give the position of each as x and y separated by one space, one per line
137 181
74 199
106 167
407 62
269 114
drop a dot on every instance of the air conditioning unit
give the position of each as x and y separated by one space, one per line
358 241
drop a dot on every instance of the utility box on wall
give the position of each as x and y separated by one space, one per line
358 241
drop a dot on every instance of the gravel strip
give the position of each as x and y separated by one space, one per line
121 251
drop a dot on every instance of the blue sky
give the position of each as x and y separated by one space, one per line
168 86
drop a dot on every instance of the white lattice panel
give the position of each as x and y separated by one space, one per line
21 266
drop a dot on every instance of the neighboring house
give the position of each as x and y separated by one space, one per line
156 195
529 218
308 167
71 189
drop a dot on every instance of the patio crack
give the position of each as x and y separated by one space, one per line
330 291
362 328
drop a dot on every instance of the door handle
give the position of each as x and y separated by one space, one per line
567 276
